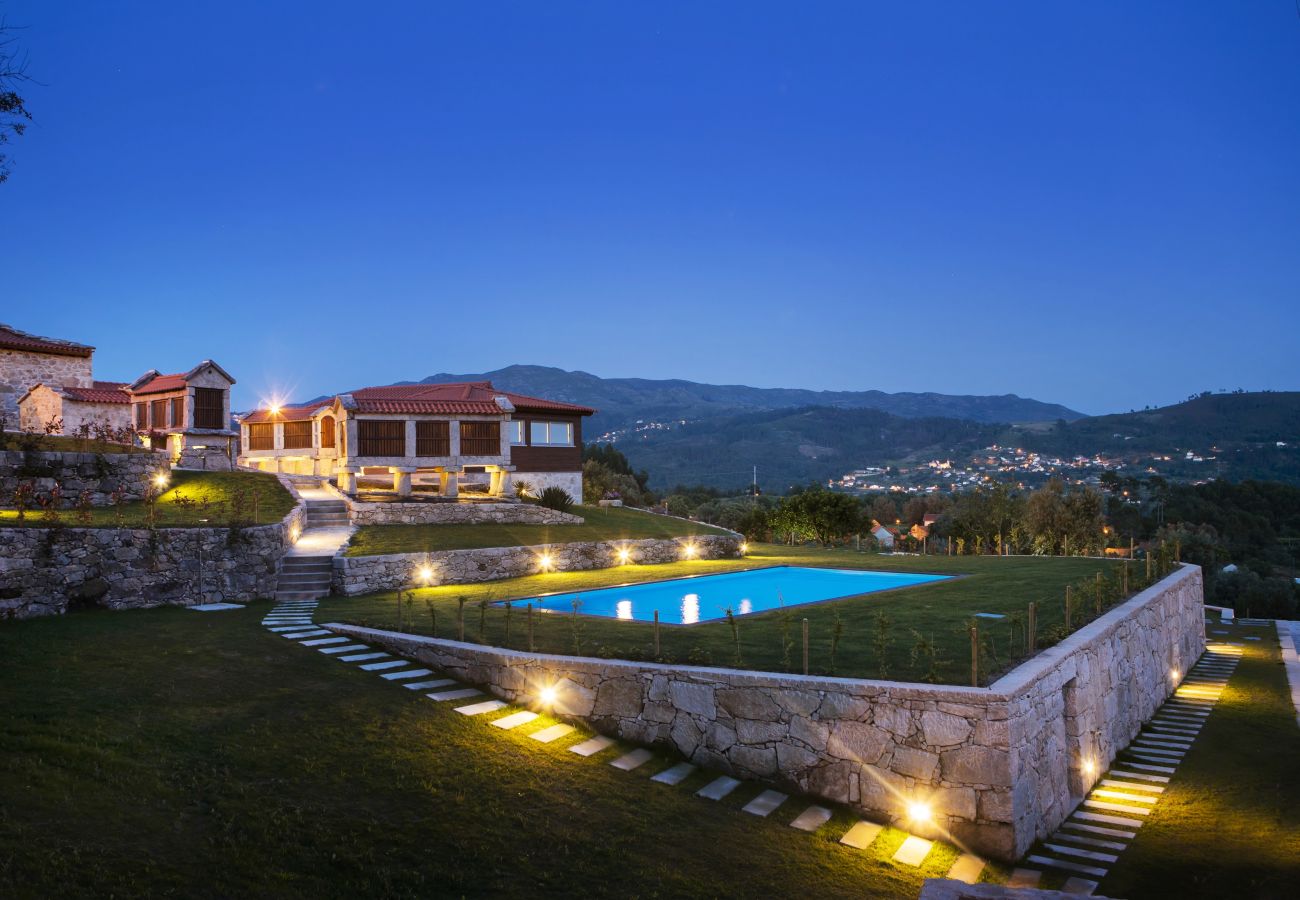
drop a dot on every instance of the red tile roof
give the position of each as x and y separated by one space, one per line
464 398
160 383
296 413
13 339
99 392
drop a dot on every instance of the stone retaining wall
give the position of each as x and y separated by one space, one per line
354 575
998 765
47 571
464 513
99 473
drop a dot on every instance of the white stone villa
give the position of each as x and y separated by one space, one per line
466 437
48 380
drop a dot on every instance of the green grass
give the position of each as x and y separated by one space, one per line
940 610
172 753
64 444
607 524
172 510
1229 823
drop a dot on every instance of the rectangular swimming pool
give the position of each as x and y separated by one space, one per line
706 598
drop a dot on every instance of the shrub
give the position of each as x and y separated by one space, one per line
556 498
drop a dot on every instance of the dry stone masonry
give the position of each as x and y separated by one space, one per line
998 765
434 513
354 575
99 473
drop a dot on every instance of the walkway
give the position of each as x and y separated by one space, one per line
1092 839
1288 635
293 620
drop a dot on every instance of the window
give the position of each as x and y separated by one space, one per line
178 412
297 435
554 434
480 438
261 436
157 414
141 417
327 433
515 428
433 439
209 408
381 437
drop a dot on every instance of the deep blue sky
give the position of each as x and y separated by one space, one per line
1086 203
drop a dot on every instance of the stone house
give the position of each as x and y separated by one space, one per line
450 437
188 413
103 403
27 360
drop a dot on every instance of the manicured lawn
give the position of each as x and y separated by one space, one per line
65 444
1229 824
173 509
173 753
607 524
938 611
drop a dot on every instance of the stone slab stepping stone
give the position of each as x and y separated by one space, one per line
425 685
633 759
913 851
1092 855
514 720
1129 785
1254 639
1117 807
1067 866
1123 795
459 694
1168 742
967 868
1105 819
718 788
812 818
288 620
592 746
409 673
282 628
315 632
1084 887
1162 779
553 733
350 648
1071 838
215 607
1024 878
861 835
386 664
318 642
1097 829
675 775
478 709
1149 767
765 803
359 657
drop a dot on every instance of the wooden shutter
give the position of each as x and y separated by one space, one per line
261 436
381 437
480 438
433 439
297 435
209 408
327 433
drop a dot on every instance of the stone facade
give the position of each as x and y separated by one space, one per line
569 482
354 575
998 765
44 403
459 513
48 571
21 370
99 473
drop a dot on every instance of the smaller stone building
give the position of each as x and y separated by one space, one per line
104 403
188 413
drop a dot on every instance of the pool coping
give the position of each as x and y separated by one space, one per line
523 601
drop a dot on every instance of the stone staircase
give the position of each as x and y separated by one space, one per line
306 571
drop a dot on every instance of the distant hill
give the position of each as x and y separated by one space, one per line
623 401
1203 422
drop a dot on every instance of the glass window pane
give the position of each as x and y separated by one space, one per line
538 432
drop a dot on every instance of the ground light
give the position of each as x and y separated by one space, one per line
547 695
689 551
624 555
160 480
919 811
1089 768
744 548
546 561
425 574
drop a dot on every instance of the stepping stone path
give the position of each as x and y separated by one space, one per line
634 760
477 709
514 720
1091 840
458 694
967 868
862 835
718 788
402 676
765 803
913 851
593 746
812 818
675 775
553 733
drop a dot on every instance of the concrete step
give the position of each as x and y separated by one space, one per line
307 563
281 596
303 582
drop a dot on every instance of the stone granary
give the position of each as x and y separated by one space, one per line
446 436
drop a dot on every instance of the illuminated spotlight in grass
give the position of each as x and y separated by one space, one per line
919 812
548 695
161 479
624 555
546 562
425 574
744 548
689 551
1089 768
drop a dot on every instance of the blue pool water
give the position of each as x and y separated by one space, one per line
704 598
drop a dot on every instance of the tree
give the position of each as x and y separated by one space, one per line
824 515
14 115
884 510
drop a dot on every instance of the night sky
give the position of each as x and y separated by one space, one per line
1085 203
